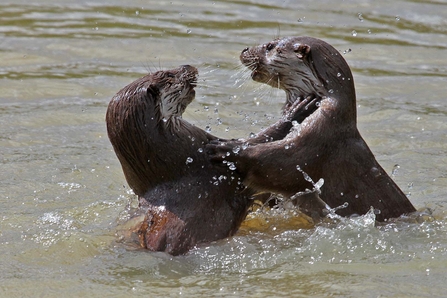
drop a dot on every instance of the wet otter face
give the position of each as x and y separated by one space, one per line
175 89
284 64
139 115
301 66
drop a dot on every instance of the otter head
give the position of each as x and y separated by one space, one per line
174 90
141 116
302 67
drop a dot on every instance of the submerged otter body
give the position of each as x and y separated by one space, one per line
187 199
327 146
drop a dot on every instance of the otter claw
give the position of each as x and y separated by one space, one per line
217 151
220 151
216 142
300 110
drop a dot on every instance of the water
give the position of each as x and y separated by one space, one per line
63 194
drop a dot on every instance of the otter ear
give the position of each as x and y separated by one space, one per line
301 50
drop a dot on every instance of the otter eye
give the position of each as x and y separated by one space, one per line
270 46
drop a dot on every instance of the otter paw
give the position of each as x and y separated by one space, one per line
220 152
300 110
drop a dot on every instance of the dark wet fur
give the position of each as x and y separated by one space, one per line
329 145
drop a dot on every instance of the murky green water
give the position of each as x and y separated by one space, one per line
62 191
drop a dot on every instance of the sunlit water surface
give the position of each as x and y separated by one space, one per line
63 197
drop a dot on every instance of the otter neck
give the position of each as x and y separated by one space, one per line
343 93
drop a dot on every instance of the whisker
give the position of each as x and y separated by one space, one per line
201 85
240 69
209 69
244 81
244 76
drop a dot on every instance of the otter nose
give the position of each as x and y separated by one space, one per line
188 68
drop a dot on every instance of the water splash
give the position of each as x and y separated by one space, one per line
316 186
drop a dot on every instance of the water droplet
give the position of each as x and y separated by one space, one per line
231 166
360 17
331 91
354 33
369 31
395 170
375 172
236 149
200 150
398 18
206 108
137 12
252 135
300 20
189 160
347 51
208 128
341 194
286 147
188 31
295 123
164 119
227 129
338 74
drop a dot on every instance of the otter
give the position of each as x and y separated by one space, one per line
186 199
328 144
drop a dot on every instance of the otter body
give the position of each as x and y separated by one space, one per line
187 199
328 144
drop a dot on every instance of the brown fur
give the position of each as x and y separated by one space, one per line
328 145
